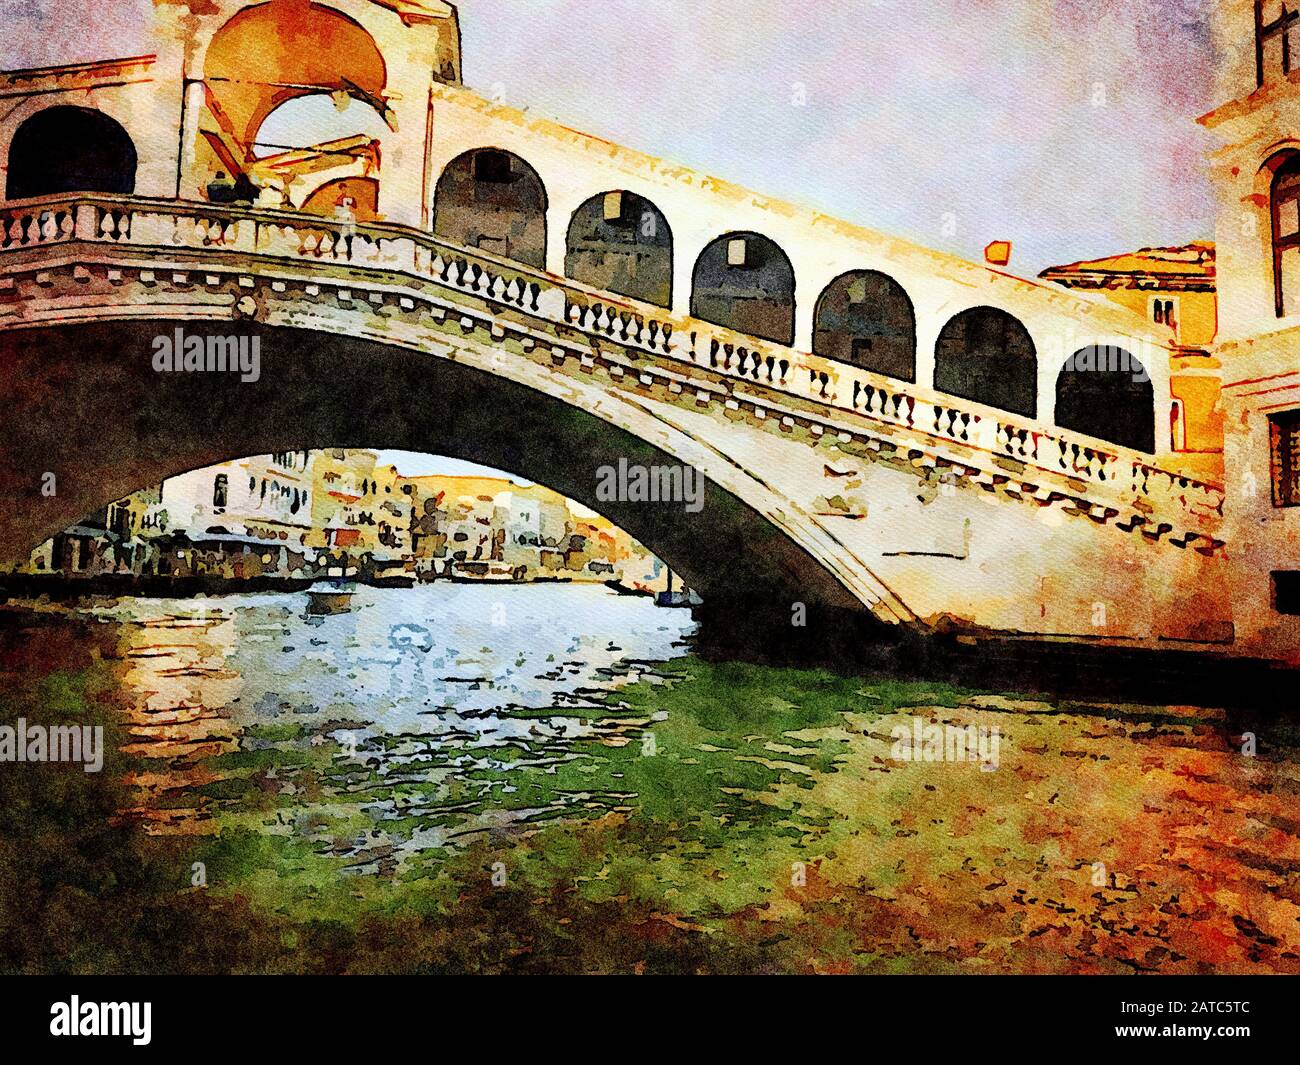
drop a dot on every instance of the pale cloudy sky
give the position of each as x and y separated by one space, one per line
1065 126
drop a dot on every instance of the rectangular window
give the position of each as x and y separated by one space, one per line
1164 311
1286 592
1284 438
220 491
1275 25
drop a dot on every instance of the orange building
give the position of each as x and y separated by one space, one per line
1175 288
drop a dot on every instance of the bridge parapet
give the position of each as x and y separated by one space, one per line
989 444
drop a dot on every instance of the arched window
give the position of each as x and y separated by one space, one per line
1105 392
865 318
1285 201
621 242
308 143
987 355
274 52
744 281
70 149
492 199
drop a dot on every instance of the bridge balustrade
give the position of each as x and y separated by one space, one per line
1113 475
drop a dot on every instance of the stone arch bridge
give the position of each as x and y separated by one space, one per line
884 430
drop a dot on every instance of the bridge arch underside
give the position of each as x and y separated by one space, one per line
87 409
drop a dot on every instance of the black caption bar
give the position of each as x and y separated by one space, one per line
214 1015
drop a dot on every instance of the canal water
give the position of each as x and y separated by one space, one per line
547 778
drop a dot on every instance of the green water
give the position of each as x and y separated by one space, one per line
498 793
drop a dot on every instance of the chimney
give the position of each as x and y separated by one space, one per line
998 253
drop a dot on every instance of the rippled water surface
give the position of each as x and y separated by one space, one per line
540 778
419 688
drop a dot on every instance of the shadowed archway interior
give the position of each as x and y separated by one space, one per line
745 282
987 355
70 149
1107 393
621 242
866 318
494 201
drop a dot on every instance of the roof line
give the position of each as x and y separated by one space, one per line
74 68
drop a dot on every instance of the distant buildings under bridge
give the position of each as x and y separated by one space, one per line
310 514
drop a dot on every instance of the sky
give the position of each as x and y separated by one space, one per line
1065 126
414 464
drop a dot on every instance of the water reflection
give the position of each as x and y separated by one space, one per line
407 691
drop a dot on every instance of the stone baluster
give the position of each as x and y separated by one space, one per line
547 302
982 432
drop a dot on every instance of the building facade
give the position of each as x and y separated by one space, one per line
1256 173
426 498
470 527
1174 289
359 512
255 511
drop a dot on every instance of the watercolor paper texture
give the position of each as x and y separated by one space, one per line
436 538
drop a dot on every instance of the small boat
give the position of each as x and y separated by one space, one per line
330 597
678 600
619 588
